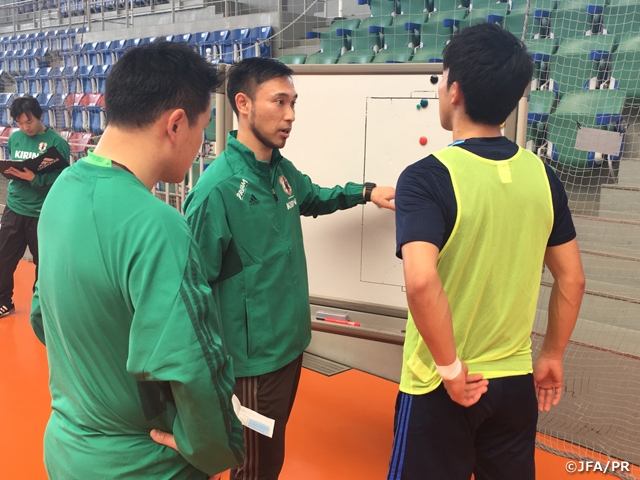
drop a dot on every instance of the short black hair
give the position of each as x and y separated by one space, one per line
151 79
26 105
246 75
492 68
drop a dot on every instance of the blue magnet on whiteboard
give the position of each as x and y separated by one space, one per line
424 102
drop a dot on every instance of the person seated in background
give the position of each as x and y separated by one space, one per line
122 302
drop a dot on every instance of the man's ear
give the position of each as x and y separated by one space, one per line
176 120
457 98
243 103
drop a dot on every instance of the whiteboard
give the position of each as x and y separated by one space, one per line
357 127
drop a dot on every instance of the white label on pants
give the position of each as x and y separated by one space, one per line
252 419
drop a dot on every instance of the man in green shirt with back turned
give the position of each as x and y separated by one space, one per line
26 193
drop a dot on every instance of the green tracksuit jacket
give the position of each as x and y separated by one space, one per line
245 216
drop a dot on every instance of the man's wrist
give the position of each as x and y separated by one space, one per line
449 372
368 188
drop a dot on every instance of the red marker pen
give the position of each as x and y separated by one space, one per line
342 322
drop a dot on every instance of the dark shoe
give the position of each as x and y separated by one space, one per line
6 309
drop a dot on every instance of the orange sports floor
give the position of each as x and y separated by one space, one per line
340 428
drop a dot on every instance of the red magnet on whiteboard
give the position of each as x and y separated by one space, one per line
423 140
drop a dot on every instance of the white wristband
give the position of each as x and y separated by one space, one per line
450 372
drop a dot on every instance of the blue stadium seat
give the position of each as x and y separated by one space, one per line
199 39
23 41
14 44
212 47
146 40
33 86
257 44
77 7
20 60
184 38
6 99
229 47
44 80
44 99
31 41
30 59
86 79
123 45
52 40
21 84
41 40
101 72
75 118
94 105
9 63
70 79
3 67
106 50
64 38
56 82
90 53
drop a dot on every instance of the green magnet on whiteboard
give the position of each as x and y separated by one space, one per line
418 106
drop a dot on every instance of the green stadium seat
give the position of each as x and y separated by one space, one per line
434 36
541 51
488 12
539 13
575 17
397 55
410 7
582 63
322 58
541 103
293 58
404 32
382 7
622 17
452 19
338 37
593 108
354 56
626 67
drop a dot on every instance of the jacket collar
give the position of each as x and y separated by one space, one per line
238 152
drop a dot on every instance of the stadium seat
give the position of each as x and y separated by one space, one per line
20 62
147 40
541 103
622 17
5 132
593 108
101 72
32 82
409 7
90 52
183 38
540 12
434 36
44 100
56 82
404 32
75 112
357 56
322 58
80 143
52 41
106 52
211 48
3 67
398 55
6 80
94 105
575 18
6 99
582 63
337 38
123 45
43 81
369 34
23 41
31 41
14 44
293 58
41 40
21 85
9 63
86 79
382 7
230 51
541 50
488 12
70 79
257 44
626 67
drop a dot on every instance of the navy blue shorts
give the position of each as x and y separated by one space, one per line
436 438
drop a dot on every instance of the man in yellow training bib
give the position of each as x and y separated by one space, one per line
474 223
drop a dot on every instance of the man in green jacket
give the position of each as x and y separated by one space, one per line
245 215
26 194
122 302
